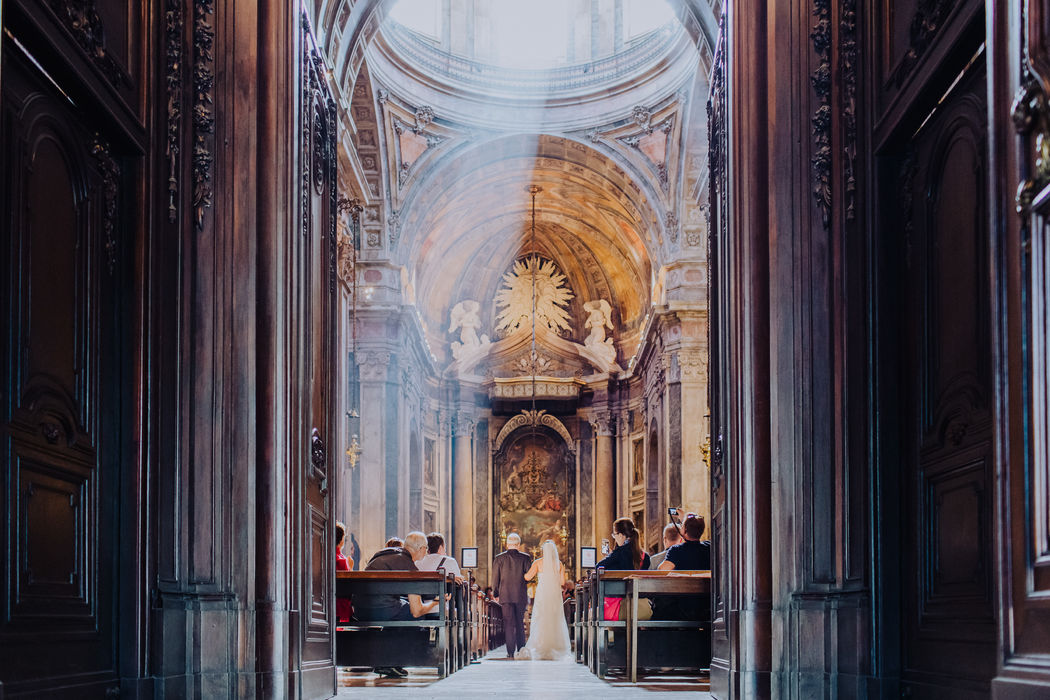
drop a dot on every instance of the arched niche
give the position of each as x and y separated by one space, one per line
534 488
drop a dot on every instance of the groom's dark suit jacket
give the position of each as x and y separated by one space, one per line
508 576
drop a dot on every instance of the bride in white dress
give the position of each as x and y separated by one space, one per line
548 631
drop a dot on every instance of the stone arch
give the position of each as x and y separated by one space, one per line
526 418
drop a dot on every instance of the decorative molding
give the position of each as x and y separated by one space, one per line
603 423
83 21
533 418
1031 118
373 366
174 26
203 106
848 75
928 20
820 79
110 189
463 424
671 222
318 451
692 365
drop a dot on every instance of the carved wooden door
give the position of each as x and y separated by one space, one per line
947 623
61 273
315 336
721 637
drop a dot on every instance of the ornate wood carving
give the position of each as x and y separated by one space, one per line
929 18
848 77
110 188
318 451
81 18
174 25
203 106
820 79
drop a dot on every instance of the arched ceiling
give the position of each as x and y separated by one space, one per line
471 220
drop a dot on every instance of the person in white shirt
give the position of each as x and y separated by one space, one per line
437 559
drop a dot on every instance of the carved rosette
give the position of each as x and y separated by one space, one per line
110 188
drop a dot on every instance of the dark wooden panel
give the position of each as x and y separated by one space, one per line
947 619
61 225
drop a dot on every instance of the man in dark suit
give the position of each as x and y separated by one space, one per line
508 588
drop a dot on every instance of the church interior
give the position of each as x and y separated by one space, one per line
283 279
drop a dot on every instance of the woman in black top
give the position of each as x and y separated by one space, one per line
628 554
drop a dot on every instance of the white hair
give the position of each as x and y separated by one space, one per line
415 541
513 538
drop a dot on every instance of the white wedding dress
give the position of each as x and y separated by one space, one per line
548 632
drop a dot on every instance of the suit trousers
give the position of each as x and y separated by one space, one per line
514 625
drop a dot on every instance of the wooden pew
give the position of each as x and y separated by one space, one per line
679 644
420 642
608 645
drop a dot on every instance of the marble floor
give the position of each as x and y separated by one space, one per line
518 679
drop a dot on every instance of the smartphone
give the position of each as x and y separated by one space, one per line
605 547
672 511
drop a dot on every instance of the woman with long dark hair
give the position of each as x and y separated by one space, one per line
627 556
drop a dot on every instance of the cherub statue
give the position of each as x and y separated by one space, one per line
465 318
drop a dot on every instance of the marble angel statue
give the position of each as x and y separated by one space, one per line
465 318
599 318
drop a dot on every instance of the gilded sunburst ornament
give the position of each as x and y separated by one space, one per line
514 300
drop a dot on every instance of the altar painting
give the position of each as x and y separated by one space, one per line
534 492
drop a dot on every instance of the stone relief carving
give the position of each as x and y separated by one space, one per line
373 366
539 417
603 423
515 298
465 318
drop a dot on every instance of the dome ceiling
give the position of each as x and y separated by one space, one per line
471 221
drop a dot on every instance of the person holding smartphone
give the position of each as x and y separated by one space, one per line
627 556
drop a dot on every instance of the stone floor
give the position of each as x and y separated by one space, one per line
518 680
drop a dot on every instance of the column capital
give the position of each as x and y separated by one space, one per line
463 423
373 365
603 423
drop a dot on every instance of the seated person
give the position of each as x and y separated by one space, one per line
437 559
395 542
690 555
343 608
392 606
671 537
627 556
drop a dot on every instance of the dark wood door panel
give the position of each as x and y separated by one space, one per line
94 50
59 412
913 41
947 620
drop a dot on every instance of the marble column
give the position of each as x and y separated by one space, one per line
462 482
603 423
373 366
